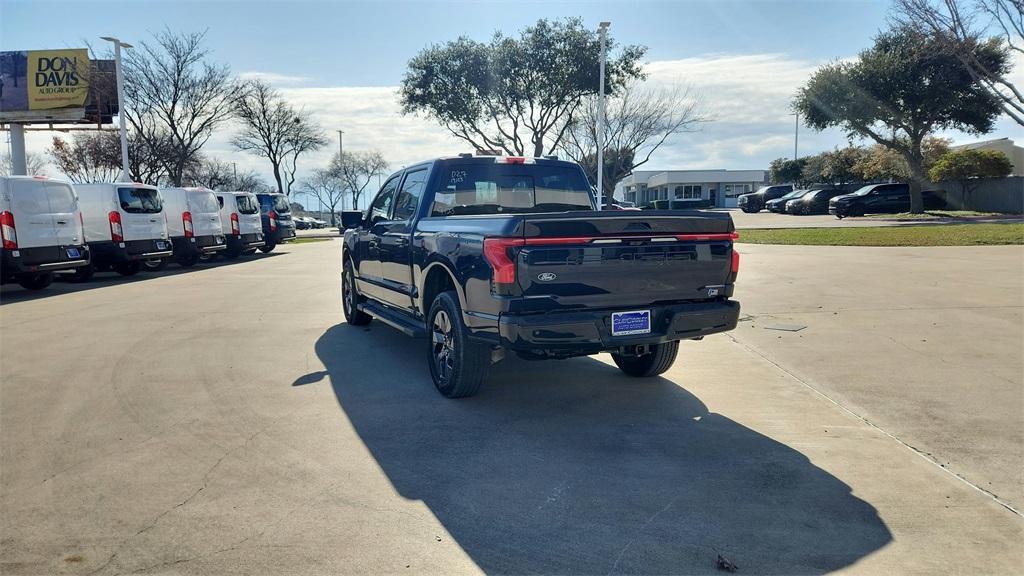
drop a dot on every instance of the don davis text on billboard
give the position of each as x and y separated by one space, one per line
43 79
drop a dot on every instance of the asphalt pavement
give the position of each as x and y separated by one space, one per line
225 420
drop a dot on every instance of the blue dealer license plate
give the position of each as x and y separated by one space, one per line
629 323
74 253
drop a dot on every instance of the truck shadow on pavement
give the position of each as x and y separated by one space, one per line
570 467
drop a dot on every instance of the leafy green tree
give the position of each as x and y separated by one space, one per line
898 92
840 165
517 95
881 163
967 167
784 170
813 171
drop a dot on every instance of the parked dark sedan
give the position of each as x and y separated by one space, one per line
779 204
755 201
881 199
814 203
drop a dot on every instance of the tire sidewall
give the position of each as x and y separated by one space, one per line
448 302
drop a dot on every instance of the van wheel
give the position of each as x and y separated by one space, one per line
154 264
268 247
231 253
458 365
186 260
83 273
128 268
35 281
657 361
350 297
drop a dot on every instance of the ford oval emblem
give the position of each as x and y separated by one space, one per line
546 277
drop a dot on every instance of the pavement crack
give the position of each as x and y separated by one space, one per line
925 455
638 532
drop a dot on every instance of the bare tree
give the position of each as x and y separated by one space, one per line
89 157
356 170
217 174
327 188
35 163
271 128
638 121
961 24
175 97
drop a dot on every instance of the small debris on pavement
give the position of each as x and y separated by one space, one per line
725 565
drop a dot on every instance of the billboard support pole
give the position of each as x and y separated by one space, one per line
18 164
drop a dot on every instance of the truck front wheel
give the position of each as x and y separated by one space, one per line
458 365
350 297
657 361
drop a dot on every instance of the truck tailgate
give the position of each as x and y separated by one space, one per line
617 260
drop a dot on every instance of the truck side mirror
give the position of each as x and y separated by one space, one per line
351 219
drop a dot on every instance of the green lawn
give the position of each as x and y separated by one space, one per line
933 235
939 214
308 240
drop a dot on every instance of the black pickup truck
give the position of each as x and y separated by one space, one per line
487 254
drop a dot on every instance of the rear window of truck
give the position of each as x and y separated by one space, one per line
140 200
481 188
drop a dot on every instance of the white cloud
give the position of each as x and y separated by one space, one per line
273 78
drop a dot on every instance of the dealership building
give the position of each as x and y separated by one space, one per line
719 187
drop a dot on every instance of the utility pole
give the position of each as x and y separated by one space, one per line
602 31
341 164
796 135
125 173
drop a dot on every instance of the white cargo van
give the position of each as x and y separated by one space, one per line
193 223
124 226
40 229
242 225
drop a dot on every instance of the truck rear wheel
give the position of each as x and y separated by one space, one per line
657 361
186 260
83 273
268 247
154 264
350 297
458 365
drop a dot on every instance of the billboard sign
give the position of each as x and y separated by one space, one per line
42 80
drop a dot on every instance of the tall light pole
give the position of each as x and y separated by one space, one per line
125 174
796 135
602 31
341 162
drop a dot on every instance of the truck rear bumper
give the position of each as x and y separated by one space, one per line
588 332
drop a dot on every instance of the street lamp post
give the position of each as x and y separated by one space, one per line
341 163
796 135
125 174
602 31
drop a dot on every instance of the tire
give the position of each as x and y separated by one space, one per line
268 247
248 252
655 362
128 268
35 281
83 273
154 264
231 253
840 216
350 297
186 260
458 365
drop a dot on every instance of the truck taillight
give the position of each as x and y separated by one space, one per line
497 255
116 234
735 262
273 221
186 223
235 229
7 231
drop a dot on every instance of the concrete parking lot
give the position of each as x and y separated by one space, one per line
225 420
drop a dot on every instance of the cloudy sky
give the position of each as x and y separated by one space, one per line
342 61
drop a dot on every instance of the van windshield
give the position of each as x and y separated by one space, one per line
481 188
140 200
247 204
